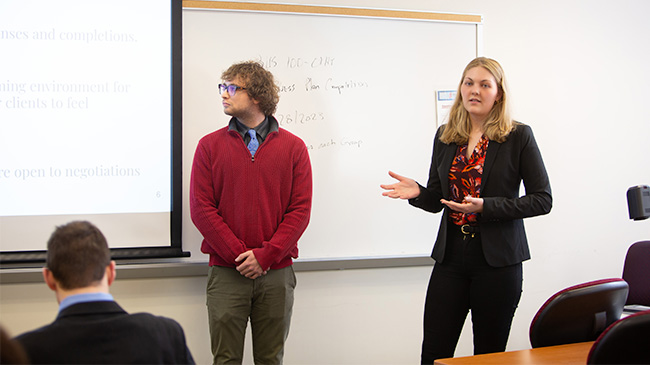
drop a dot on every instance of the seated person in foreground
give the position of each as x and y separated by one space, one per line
91 327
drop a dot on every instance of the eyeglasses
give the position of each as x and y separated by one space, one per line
232 89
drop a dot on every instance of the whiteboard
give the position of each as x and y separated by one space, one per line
360 91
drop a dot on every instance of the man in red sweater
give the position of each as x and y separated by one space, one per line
250 197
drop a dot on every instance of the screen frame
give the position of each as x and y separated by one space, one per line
9 259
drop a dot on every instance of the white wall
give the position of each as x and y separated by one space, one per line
578 76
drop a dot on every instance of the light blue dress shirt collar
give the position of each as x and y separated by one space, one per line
83 298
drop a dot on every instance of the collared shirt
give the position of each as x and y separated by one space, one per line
262 130
83 298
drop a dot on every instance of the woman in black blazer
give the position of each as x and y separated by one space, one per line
480 157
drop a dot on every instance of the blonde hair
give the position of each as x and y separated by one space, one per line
498 124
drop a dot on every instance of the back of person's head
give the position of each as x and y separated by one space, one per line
259 83
77 255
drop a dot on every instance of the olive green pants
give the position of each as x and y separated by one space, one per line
232 299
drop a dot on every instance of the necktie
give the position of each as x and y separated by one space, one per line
254 143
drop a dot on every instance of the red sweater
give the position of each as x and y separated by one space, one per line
239 203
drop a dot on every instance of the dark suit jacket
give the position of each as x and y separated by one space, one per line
501 223
103 333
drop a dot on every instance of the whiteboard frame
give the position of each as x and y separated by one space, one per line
332 10
354 262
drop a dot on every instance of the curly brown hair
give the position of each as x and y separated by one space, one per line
259 83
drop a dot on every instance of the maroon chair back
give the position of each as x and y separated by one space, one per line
636 271
579 313
624 342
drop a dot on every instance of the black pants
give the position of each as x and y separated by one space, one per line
466 282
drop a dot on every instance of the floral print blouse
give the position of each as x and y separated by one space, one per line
465 179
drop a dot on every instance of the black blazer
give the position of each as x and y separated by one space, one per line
103 333
501 223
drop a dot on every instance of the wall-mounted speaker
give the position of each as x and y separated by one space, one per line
638 202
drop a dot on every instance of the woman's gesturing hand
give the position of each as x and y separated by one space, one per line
405 188
469 205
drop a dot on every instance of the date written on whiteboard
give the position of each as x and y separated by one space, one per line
298 117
